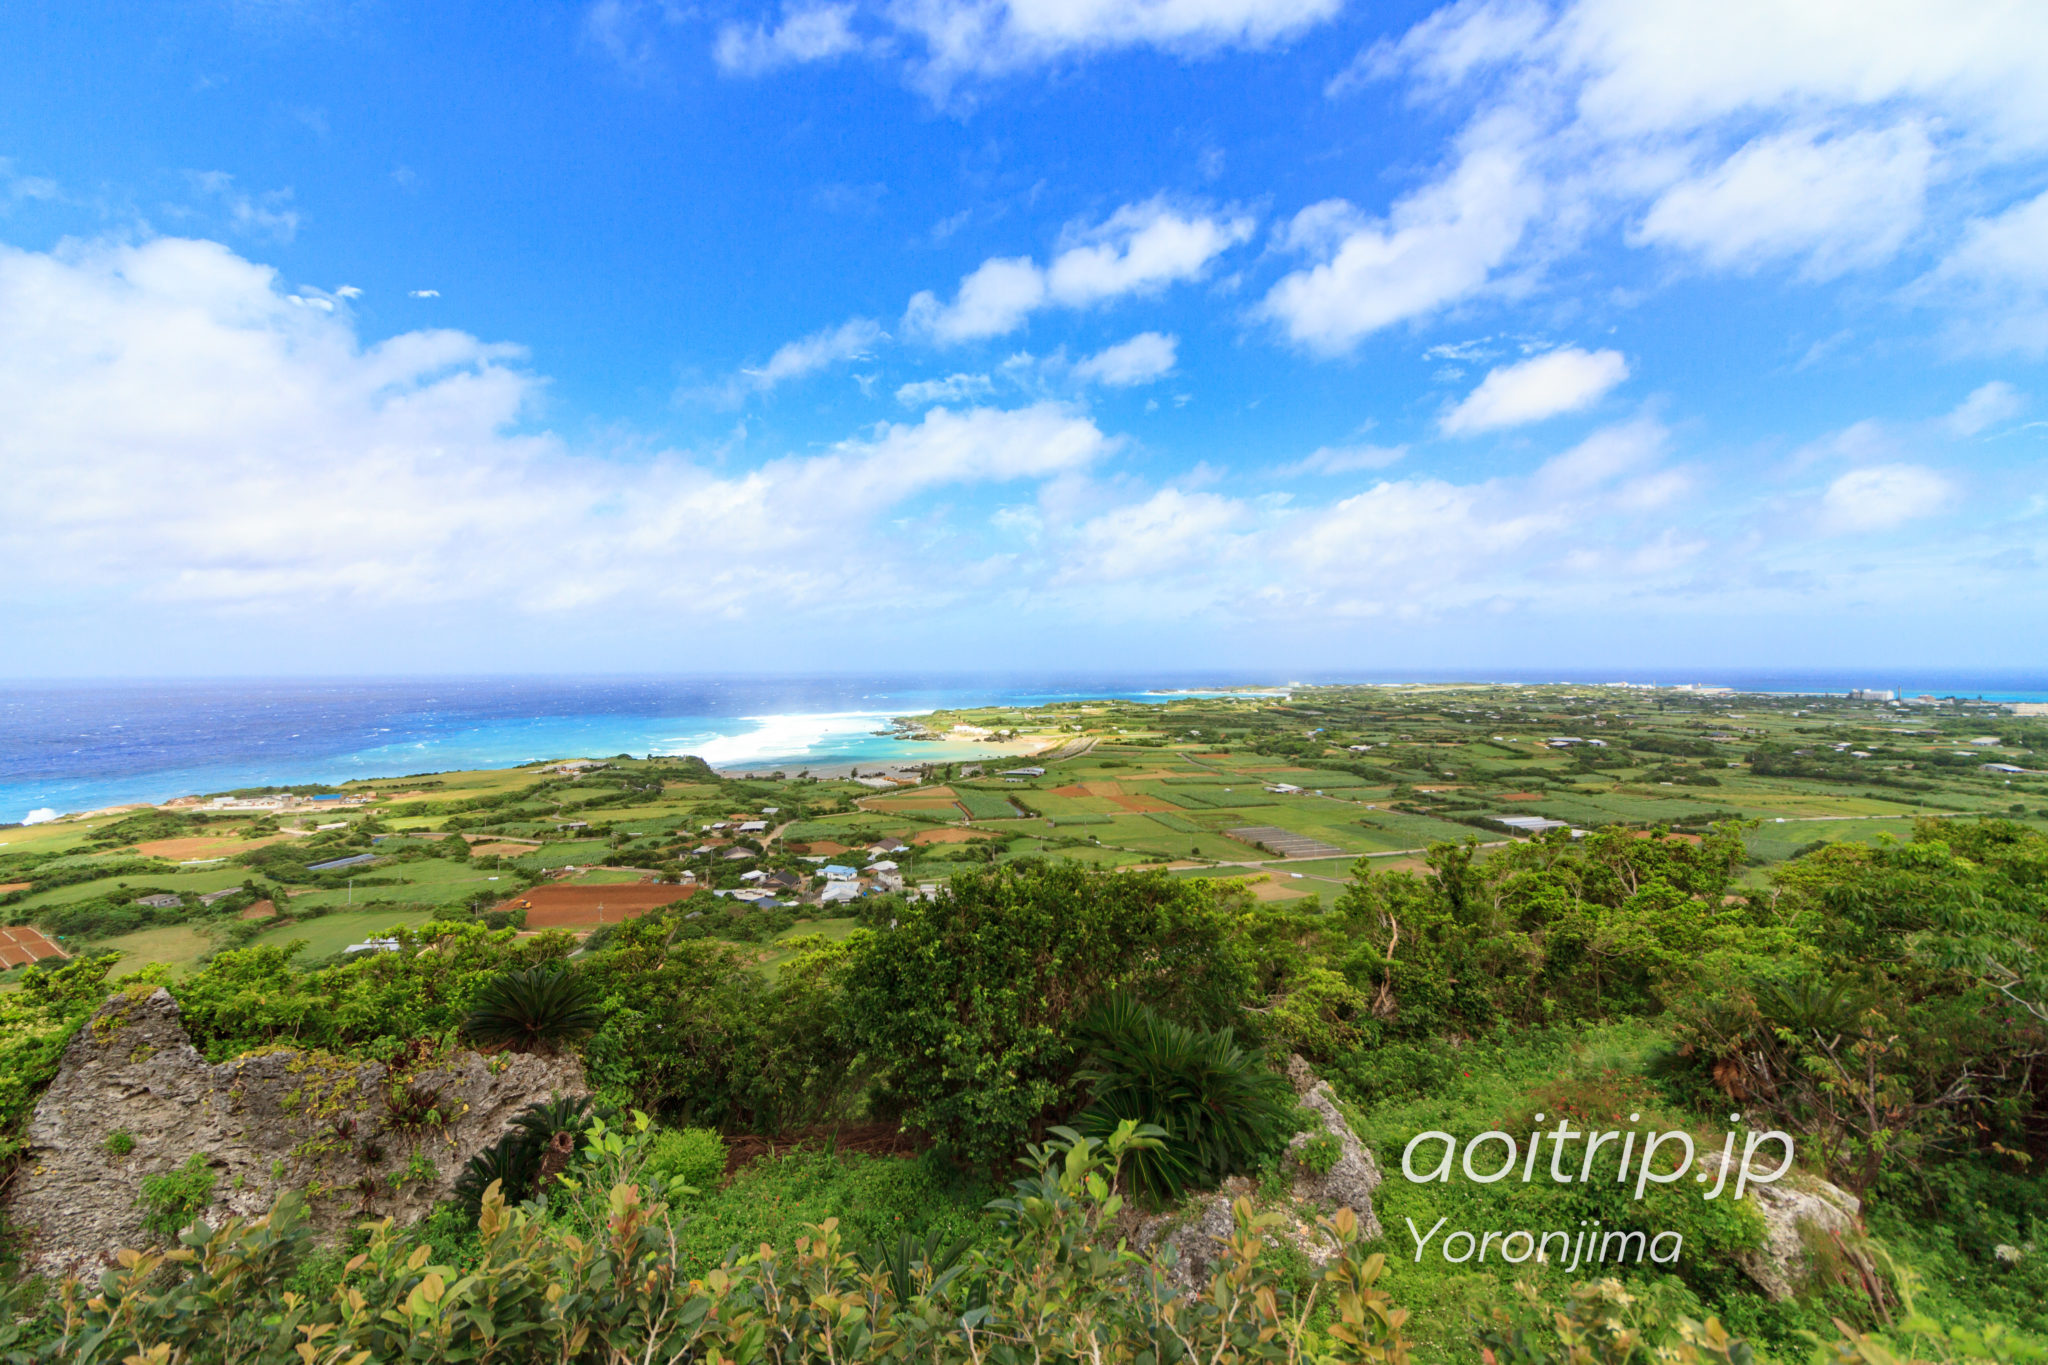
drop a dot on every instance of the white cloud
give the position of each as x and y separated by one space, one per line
954 388
813 33
1342 460
1145 358
853 339
1560 381
1987 406
1840 202
1832 136
1882 497
991 37
348 291
1436 246
16 188
219 445
426 293
1999 270
993 301
1604 456
1140 249
1167 531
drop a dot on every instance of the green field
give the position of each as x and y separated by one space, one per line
177 946
984 805
326 935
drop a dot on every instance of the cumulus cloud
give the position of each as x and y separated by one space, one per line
814 33
1548 385
185 438
1144 359
1734 136
1165 532
1437 246
178 430
1882 497
1140 249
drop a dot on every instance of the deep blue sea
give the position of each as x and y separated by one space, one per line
81 746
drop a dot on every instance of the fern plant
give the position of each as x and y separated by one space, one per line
534 1010
1219 1105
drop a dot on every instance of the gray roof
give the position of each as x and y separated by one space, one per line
356 860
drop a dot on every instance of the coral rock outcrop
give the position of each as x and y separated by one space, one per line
363 1142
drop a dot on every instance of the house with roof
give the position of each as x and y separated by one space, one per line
165 901
838 892
834 872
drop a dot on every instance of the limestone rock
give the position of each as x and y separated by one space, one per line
1794 1209
1198 1230
362 1143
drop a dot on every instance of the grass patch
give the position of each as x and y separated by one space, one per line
327 935
177 946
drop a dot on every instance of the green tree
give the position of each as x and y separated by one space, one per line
968 1006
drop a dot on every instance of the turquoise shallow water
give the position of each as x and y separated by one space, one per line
81 746
86 746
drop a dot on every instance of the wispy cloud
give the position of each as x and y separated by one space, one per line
812 33
1140 249
1146 358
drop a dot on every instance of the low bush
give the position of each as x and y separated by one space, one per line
695 1156
172 1201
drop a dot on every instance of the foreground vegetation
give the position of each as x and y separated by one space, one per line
1876 991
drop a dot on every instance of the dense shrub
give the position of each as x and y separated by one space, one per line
969 1004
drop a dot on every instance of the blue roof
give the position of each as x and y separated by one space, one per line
835 870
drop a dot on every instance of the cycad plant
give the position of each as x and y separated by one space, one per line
534 1010
516 1160
1221 1107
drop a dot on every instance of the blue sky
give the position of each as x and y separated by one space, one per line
346 335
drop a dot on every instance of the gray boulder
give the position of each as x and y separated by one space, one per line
1796 1211
1195 1234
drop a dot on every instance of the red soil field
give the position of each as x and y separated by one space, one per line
586 907
1519 796
260 910
15 886
21 945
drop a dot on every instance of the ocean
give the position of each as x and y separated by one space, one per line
68 747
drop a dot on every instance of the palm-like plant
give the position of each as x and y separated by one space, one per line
533 1010
518 1161
1221 1106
